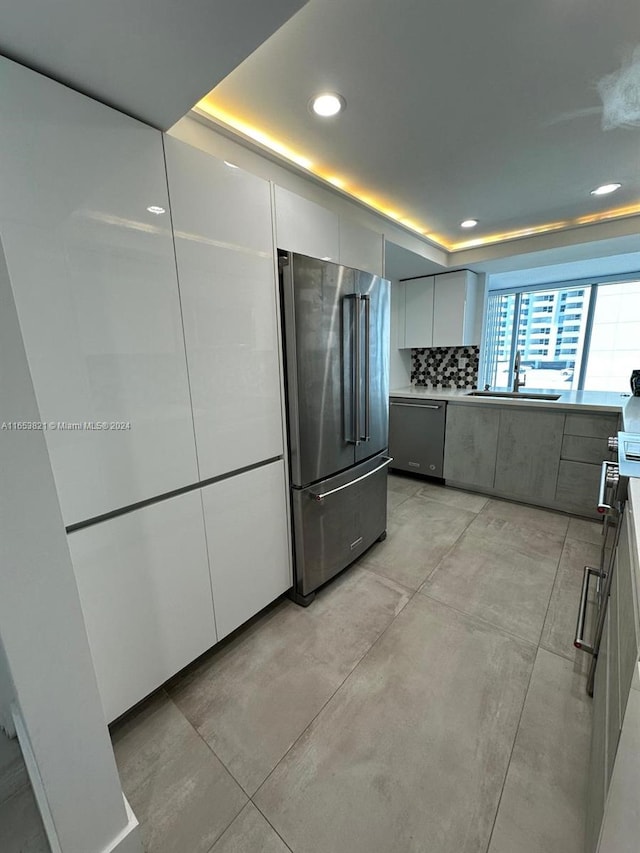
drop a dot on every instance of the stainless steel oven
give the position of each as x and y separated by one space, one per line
611 500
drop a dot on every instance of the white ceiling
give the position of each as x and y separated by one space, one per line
455 109
152 59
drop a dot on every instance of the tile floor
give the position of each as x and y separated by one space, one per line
430 699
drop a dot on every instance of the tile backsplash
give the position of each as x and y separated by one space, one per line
445 367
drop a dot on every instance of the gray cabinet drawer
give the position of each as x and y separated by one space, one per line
596 426
577 486
581 448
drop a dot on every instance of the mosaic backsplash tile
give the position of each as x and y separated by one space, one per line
445 367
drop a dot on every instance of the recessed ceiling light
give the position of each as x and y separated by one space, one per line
154 208
468 223
605 189
230 165
328 104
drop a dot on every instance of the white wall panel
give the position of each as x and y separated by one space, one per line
93 274
246 523
145 590
224 248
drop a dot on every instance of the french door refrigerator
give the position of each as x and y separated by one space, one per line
336 340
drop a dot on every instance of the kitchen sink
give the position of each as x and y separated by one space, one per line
514 395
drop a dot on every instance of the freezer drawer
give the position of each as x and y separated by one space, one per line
416 435
336 520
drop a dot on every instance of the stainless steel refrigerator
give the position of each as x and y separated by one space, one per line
336 337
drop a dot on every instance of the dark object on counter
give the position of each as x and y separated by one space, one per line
635 383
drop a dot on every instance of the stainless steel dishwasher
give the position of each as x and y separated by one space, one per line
416 435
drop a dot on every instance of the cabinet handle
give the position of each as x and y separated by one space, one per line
579 641
324 495
416 405
604 476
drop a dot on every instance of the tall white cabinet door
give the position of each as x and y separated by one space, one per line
145 591
246 523
419 312
360 248
224 249
454 305
93 272
306 227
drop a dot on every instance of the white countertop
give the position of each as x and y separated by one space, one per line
594 401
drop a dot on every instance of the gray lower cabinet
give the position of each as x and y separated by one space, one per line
597 783
617 664
471 444
529 446
577 487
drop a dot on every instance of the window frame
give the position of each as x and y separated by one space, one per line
592 283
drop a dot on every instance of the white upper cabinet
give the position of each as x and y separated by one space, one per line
454 308
418 306
306 227
145 591
360 248
93 272
439 311
246 523
224 249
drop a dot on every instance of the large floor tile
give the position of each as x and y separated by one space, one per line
21 829
250 833
253 697
532 531
410 754
453 497
543 805
419 534
394 499
560 624
491 580
585 531
13 771
405 484
180 792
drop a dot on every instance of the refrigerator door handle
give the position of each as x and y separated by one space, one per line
367 366
320 497
355 369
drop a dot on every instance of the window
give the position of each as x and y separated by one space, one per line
564 351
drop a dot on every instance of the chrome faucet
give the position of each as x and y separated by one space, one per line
517 384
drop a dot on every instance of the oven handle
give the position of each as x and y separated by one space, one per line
579 641
604 482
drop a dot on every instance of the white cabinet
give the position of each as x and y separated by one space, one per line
224 250
93 273
418 307
454 305
246 523
440 310
361 248
310 229
145 590
306 227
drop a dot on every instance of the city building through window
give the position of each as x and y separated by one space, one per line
568 338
